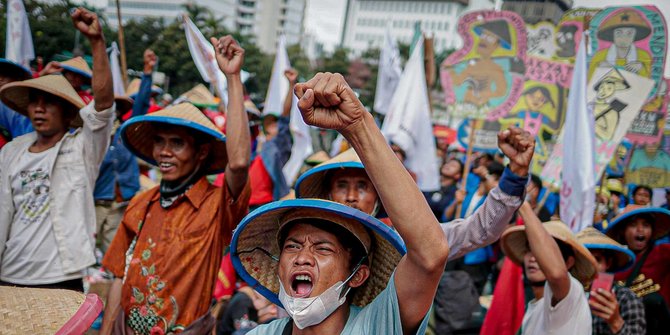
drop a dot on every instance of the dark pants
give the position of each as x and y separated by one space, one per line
74 285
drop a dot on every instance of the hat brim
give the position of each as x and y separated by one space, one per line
16 96
137 134
623 258
80 72
314 182
123 104
254 245
514 243
661 223
24 73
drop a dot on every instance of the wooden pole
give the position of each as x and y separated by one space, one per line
122 46
468 162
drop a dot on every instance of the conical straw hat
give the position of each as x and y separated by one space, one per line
515 245
134 88
16 95
138 133
200 97
14 70
593 239
79 66
123 103
659 219
626 18
255 249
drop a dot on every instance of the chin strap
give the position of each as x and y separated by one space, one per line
171 190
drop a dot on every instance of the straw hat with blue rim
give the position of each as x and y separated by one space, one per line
79 66
14 70
255 245
16 95
315 183
138 133
659 218
592 239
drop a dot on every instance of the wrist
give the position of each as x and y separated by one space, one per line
518 170
355 132
148 70
233 75
616 324
97 40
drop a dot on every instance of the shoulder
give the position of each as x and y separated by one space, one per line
274 327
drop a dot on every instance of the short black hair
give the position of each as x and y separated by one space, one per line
536 180
496 169
643 187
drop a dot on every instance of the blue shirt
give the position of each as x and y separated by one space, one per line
381 316
274 154
16 123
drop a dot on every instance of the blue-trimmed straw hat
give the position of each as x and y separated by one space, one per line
660 221
134 88
138 133
593 239
255 245
14 69
79 66
315 183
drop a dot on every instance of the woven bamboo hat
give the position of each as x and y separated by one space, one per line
255 247
79 66
626 18
200 97
138 133
659 219
123 103
317 158
315 183
515 245
134 88
593 239
16 95
14 70
46 311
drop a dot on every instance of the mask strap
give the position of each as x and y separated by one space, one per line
358 266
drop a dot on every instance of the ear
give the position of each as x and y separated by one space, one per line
204 152
360 276
570 262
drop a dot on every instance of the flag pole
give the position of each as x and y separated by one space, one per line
122 46
468 162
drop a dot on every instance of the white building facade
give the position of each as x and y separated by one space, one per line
366 21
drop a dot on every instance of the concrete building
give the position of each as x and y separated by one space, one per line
366 21
264 20
534 11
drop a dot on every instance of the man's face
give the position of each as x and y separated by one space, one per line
488 43
176 153
642 197
451 170
602 261
311 261
76 80
606 89
638 234
624 37
535 100
532 268
47 115
270 127
353 188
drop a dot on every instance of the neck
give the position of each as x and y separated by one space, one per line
45 142
538 292
641 251
622 51
333 324
448 182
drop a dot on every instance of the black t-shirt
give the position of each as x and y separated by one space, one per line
440 200
239 314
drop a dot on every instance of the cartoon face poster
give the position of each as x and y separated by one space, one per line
632 39
541 40
484 79
648 125
569 32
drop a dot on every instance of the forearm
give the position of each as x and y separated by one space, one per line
450 210
103 86
113 307
143 97
238 141
288 101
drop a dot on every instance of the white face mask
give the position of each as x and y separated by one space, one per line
307 312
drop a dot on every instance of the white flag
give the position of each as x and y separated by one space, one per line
578 188
117 78
388 74
408 125
19 42
274 100
204 58
302 144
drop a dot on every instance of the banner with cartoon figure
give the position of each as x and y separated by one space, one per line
632 39
648 125
541 40
569 32
649 165
484 79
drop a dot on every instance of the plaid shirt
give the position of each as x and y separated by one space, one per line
632 312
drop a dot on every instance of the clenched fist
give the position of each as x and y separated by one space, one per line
87 23
229 54
518 145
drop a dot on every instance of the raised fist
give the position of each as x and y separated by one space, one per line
229 54
327 101
518 145
292 75
87 23
150 60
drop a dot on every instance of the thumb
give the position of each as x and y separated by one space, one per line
306 103
214 41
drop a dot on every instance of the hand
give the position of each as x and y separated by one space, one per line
605 306
150 60
327 101
87 23
459 197
51 68
292 75
634 67
518 145
229 54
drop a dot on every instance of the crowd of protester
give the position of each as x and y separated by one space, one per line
152 197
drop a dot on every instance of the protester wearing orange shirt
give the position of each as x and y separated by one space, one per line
168 248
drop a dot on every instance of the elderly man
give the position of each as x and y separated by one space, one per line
168 248
46 177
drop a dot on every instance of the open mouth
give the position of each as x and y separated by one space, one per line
165 166
301 284
640 238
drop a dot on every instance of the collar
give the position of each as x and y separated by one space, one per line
195 195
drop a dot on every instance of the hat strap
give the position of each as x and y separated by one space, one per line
351 276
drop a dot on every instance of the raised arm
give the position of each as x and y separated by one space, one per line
103 88
292 76
143 97
230 57
327 101
548 255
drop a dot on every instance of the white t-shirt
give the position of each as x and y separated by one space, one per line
31 254
571 316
